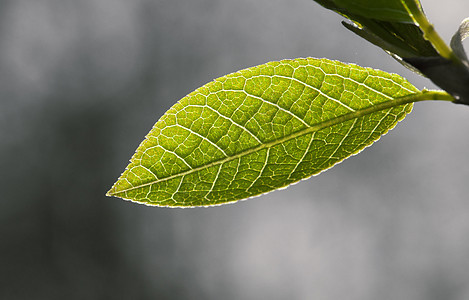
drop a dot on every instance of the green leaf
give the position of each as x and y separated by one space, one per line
400 37
385 10
261 129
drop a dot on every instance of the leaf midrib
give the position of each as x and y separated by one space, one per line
337 120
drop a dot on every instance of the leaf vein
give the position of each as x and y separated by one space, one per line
271 103
199 135
229 119
317 90
304 155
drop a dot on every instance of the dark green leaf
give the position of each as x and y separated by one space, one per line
397 37
385 10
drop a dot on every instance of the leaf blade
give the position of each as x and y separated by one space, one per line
386 10
260 129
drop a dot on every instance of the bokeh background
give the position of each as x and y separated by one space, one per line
83 81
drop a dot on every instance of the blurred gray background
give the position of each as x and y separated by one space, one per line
83 81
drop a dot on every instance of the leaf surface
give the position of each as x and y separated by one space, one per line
386 24
386 10
261 129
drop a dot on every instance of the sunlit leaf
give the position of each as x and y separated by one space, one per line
261 129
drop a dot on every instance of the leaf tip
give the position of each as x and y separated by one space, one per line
110 193
114 190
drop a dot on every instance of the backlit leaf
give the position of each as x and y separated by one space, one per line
261 129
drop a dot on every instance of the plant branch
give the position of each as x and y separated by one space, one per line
429 32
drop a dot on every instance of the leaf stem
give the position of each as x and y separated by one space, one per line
415 10
424 95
